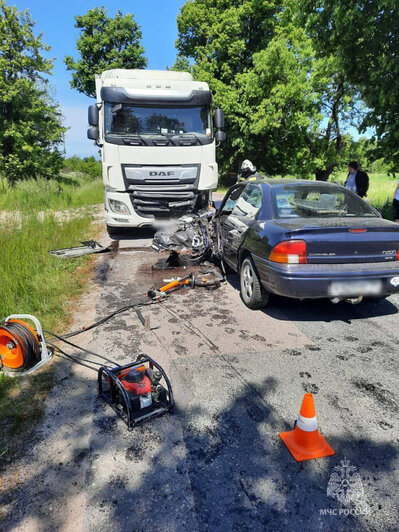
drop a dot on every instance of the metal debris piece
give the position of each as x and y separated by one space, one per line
87 247
145 320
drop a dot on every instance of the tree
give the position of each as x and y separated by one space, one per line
219 39
104 43
30 122
363 36
284 109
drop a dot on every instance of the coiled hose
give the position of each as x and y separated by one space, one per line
19 346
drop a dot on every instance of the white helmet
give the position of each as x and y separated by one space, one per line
247 167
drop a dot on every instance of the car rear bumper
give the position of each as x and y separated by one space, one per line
313 281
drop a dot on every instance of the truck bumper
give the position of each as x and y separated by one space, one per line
117 220
133 219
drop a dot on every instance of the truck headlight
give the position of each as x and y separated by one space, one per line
118 207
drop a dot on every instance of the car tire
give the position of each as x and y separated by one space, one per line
252 292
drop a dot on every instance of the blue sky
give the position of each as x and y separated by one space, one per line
55 19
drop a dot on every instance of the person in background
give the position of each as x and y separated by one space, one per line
357 180
396 204
248 172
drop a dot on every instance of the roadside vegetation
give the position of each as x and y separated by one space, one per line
380 193
34 282
79 184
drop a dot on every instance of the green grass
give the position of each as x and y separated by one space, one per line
69 191
21 407
35 282
32 280
380 193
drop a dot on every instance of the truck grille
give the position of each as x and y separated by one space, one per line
162 190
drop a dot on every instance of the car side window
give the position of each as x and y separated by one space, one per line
249 202
232 200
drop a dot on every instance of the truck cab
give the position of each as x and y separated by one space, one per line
158 145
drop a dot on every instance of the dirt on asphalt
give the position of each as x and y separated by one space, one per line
238 377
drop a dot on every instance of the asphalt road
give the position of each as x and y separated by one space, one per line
238 377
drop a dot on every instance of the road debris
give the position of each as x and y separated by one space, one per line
87 247
191 235
208 278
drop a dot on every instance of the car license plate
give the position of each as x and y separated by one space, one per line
355 288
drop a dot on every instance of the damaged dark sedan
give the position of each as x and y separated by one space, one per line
306 239
299 239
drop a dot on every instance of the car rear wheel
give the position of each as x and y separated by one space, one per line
252 292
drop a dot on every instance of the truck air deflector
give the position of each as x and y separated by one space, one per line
154 97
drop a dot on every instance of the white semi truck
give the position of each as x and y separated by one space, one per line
158 144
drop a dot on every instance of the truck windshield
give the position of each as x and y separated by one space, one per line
125 119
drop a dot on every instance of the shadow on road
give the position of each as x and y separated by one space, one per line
287 309
240 474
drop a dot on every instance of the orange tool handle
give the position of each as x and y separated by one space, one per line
168 286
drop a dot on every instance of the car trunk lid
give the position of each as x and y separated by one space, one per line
351 240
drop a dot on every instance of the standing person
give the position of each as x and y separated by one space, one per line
357 180
396 204
248 172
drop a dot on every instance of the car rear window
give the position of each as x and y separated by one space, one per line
317 201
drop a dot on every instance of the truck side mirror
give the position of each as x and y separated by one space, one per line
92 133
220 136
93 115
219 118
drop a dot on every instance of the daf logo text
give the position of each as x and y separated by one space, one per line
153 174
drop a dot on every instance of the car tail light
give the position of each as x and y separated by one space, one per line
289 252
360 230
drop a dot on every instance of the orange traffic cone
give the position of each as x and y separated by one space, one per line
305 442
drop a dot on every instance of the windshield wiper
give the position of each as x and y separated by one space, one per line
191 134
165 136
126 136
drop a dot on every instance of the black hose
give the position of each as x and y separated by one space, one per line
27 342
92 326
81 348
75 358
108 317
60 352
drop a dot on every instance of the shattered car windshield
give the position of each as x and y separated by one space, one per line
317 201
249 202
124 119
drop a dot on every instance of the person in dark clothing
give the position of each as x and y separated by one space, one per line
248 172
357 180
